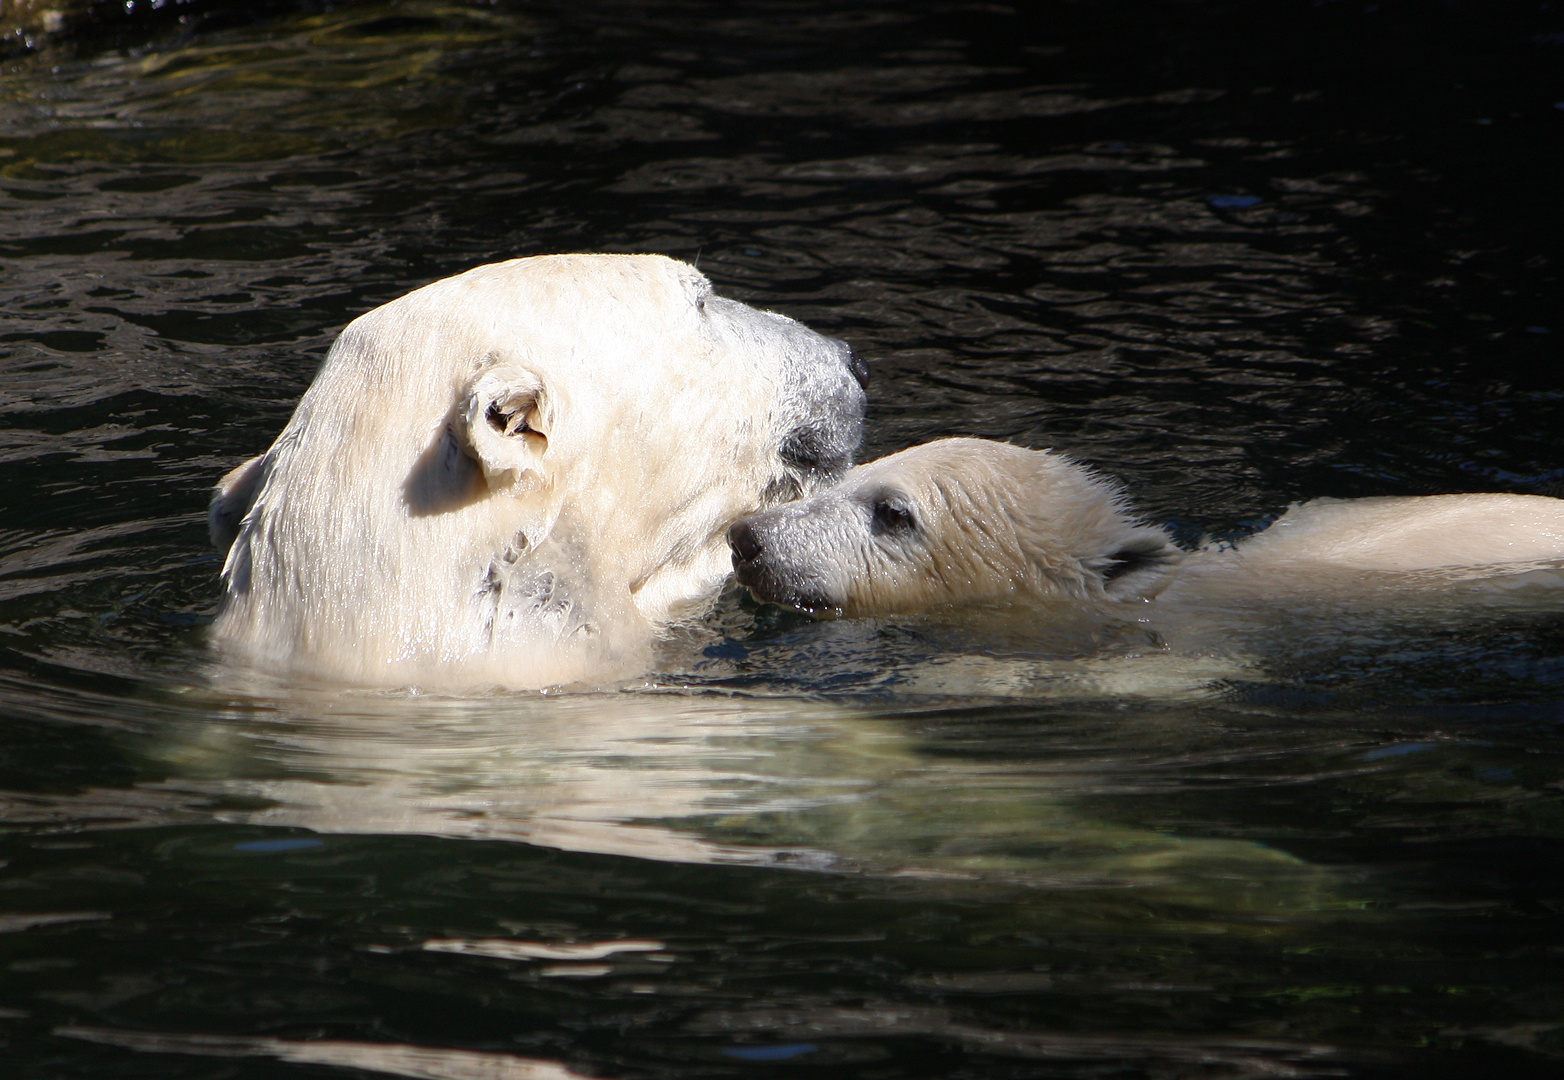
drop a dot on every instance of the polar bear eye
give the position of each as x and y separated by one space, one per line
892 513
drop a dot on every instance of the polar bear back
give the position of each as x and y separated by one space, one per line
1334 543
1404 533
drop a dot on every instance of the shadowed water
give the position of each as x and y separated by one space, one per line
1234 254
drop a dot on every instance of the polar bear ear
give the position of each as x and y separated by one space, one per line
507 427
231 500
1139 567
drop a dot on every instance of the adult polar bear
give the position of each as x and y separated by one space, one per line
963 520
517 475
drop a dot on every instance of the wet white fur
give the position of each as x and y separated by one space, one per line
1329 545
997 522
515 476
990 522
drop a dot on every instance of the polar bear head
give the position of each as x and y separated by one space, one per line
952 521
518 474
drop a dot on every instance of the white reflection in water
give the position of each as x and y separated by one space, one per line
419 1062
504 949
10 924
708 779
863 782
1242 1057
601 773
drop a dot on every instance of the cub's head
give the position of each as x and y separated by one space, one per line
952 522
515 474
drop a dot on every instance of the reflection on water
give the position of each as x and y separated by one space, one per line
307 84
674 778
1236 257
423 1063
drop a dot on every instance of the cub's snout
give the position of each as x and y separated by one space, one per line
791 581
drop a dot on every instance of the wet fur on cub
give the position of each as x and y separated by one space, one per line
959 521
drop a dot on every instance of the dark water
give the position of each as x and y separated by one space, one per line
1235 253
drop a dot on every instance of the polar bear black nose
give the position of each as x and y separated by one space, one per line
741 538
859 368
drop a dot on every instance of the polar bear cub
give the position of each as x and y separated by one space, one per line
953 521
968 520
518 475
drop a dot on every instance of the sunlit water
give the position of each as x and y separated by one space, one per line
1235 254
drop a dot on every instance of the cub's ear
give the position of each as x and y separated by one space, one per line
506 422
1139 566
231 500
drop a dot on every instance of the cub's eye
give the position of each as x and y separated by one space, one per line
892 513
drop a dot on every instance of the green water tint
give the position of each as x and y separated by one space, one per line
975 877
751 782
297 86
939 857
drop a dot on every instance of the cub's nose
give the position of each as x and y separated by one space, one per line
745 544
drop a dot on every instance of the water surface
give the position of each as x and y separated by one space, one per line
1236 254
